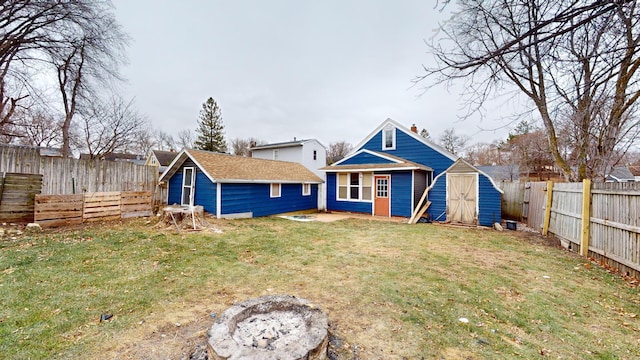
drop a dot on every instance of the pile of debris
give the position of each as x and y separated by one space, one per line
188 218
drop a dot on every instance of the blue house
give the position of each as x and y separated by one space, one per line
235 186
395 172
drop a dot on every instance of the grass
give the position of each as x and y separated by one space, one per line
391 291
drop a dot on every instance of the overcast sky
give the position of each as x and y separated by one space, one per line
279 69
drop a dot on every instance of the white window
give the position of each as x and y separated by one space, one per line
275 154
188 182
275 190
306 189
389 138
354 186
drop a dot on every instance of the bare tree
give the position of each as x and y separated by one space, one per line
111 127
242 147
164 141
576 62
31 31
452 142
337 151
185 139
486 154
34 127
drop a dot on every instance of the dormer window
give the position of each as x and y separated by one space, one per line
389 138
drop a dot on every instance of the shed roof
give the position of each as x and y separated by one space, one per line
621 173
230 168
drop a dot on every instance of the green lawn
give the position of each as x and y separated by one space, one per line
391 290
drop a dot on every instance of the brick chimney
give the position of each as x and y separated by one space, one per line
414 128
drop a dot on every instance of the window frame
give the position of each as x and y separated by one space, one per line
365 181
275 194
191 186
306 189
389 131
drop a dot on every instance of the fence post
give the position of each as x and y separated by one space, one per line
547 208
586 217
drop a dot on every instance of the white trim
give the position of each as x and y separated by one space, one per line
306 193
271 194
192 186
219 200
413 190
370 152
407 131
373 169
360 178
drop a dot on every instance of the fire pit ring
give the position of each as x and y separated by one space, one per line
270 327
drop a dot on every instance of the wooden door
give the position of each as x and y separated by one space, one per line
382 195
462 198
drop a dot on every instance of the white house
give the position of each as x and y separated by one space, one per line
308 152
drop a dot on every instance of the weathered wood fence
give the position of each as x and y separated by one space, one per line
599 220
512 200
65 176
17 193
59 210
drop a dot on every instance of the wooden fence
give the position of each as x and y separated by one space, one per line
66 176
599 220
512 200
59 210
17 192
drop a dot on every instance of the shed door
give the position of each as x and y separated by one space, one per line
382 196
188 182
462 197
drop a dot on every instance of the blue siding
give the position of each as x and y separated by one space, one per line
365 158
401 193
489 202
411 149
255 198
438 197
175 189
335 205
205 190
205 193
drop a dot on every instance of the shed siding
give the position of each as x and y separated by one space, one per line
413 150
175 189
205 190
255 198
438 197
365 158
489 202
351 206
401 193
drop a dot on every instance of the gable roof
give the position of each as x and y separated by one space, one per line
284 144
164 157
392 163
224 168
462 162
408 131
621 173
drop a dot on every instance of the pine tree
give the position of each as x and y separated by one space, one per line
210 128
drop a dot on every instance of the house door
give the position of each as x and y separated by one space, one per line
382 195
188 184
462 197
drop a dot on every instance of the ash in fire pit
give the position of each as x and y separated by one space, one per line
270 327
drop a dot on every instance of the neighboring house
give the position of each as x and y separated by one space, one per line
501 173
161 159
235 186
310 153
389 171
133 158
620 174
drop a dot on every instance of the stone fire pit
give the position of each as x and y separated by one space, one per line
270 327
